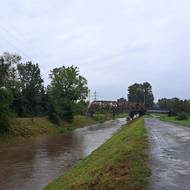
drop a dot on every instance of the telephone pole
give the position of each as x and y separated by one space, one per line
95 95
89 96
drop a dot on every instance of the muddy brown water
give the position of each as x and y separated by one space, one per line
32 164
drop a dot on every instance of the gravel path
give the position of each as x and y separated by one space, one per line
169 155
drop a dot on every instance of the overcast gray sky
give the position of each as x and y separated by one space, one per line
115 43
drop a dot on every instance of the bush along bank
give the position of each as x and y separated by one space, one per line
180 119
29 127
118 164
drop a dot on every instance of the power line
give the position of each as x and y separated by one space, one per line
11 34
12 44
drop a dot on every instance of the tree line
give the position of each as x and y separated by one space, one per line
141 93
23 94
175 106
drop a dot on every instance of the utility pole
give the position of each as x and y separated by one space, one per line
89 96
95 95
144 98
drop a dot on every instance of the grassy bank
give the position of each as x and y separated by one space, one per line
118 164
29 127
174 120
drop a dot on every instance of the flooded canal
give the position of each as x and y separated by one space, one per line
32 164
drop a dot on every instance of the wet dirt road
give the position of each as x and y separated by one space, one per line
32 164
169 155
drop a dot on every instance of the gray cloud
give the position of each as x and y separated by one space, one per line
115 43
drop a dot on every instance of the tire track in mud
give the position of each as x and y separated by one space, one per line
169 155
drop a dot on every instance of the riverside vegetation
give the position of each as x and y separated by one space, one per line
30 127
22 93
28 108
120 163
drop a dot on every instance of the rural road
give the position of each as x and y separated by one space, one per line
169 155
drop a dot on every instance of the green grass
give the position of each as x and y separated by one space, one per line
27 127
30 127
118 164
174 120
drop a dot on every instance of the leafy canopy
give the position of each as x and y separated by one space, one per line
66 89
141 93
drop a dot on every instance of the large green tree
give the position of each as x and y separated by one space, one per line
141 93
28 100
8 72
24 81
7 85
67 88
5 102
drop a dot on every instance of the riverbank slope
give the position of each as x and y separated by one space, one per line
30 127
118 164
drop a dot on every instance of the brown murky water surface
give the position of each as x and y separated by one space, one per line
32 164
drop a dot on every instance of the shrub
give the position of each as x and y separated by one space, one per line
52 115
131 114
182 116
171 114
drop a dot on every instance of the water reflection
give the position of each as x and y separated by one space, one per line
31 164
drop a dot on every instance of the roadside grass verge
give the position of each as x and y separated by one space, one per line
174 120
119 164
